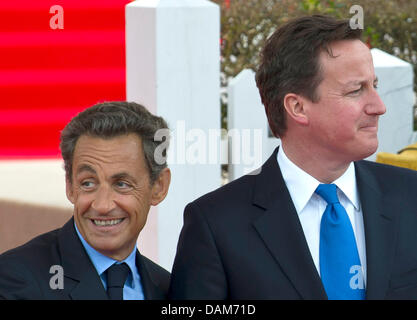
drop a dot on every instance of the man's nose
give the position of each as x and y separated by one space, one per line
375 104
103 201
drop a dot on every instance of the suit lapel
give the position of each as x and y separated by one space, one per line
379 222
80 275
81 278
280 229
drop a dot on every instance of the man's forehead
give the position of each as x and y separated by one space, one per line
97 140
90 158
350 61
345 54
93 153
120 145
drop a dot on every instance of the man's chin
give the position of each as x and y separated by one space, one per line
110 249
367 151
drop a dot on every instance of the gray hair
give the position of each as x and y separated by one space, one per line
112 119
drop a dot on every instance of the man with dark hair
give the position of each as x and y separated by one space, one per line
113 176
317 221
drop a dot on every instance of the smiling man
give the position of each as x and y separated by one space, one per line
112 179
317 222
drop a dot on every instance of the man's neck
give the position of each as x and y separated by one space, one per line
319 165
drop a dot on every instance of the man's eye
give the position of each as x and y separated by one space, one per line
122 185
356 91
87 184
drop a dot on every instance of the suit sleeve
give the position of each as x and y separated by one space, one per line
16 281
198 272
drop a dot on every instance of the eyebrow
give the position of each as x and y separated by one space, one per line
356 82
117 176
123 175
85 167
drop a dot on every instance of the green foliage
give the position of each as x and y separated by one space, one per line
390 25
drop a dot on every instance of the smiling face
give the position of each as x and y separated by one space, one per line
111 192
343 123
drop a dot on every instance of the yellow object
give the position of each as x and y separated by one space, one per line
406 158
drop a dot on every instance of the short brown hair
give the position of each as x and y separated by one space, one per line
290 62
111 119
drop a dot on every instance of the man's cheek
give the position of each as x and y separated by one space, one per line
82 204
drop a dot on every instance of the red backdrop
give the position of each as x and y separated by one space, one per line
48 75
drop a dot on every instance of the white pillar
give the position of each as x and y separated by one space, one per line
245 111
173 68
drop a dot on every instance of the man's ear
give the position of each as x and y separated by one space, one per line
295 105
68 190
160 186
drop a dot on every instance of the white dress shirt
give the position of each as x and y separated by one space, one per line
310 206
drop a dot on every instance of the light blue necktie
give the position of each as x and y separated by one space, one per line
340 266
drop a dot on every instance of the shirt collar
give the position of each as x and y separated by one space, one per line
347 184
299 183
102 262
302 186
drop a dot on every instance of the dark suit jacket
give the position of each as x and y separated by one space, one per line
24 271
245 240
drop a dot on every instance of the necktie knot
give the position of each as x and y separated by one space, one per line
116 278
328 193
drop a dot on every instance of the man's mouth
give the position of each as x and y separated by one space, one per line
104 223
370 126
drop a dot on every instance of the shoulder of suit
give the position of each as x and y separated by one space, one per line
236 190
158 274
24 270
154 267
388 171
36 250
